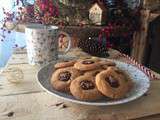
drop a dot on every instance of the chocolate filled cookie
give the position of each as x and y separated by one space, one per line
86 64
112 84
66 63
62 78
123 76
84 88
106 63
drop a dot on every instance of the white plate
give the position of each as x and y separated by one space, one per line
141 85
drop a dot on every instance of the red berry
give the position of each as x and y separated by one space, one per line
46 2
43 7
50 4
51 10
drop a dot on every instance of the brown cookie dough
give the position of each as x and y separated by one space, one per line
93 72
106 63
123 75
84 88
67 63
86 64
112 84
62 78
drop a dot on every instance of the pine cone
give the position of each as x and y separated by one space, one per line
92 47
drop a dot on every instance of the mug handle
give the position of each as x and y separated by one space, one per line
69 40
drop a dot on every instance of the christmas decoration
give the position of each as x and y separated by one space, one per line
98 13
120 21
45 11
118 35
144 69
19 14
92 46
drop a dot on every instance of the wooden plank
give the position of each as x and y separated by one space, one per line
20 50
29 101
19 56
18 59
24 73
140 37
41 106
152 117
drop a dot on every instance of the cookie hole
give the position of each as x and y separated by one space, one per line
87 85
110 65
65 76
88 62
112 82
66 61
123 74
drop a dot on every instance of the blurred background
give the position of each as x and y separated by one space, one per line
13 39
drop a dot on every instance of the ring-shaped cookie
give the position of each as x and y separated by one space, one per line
67 63
62 78
111 84
123 75
86 64
84 88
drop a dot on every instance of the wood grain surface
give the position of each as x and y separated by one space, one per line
27 101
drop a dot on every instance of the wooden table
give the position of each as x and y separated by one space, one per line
27 101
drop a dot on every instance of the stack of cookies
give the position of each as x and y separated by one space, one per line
91 79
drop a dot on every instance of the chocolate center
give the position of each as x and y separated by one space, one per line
64 76
66 61
88 62
87 85
112 82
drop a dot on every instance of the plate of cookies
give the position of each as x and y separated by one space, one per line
93 81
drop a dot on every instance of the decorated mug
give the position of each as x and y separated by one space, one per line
42 43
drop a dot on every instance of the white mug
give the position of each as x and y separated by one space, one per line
42 43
